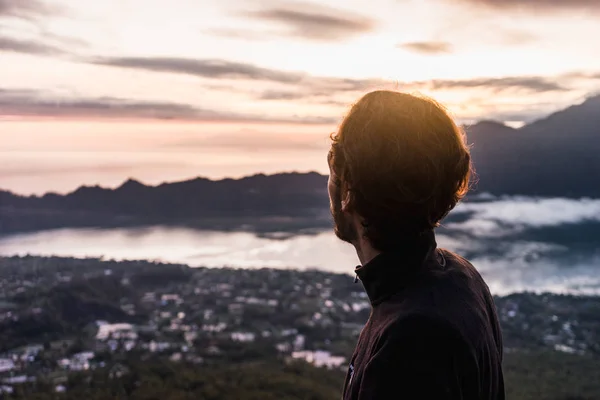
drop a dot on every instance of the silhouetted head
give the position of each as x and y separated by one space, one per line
398 165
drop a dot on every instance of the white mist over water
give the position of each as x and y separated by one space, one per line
529 212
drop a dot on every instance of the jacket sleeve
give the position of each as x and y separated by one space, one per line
421 358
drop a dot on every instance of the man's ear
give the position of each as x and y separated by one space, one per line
346 201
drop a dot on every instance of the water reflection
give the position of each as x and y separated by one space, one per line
193 247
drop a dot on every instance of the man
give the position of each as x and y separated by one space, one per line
398 165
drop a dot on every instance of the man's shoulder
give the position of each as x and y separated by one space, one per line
453 261
433 331
451 296
411 318
419 322
457 275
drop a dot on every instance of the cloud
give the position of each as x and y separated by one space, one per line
205 68
530 83
247 139
582 75
312 96
427 47
53 169
311 86
8 44
515 37
44 42
240 34
537 4
510 216
330 85
308 85
25 9
314 22
530 235
282 95
62 40
28 103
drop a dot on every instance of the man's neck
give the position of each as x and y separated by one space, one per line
364 250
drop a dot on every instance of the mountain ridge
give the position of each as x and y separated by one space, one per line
135 183
554 156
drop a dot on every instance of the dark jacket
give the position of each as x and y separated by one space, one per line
433 332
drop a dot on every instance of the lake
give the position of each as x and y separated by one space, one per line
518 244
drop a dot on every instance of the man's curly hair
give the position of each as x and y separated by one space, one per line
402 161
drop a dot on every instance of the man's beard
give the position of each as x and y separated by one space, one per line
344 227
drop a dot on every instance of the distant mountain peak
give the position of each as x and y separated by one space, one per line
489 122
132 184
85 188
487 128
581 119
489 125
593 97
592 101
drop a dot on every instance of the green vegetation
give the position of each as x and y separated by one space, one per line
529 376
267 380
551 375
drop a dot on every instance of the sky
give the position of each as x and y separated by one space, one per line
95 92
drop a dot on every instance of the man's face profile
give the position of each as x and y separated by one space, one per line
343 227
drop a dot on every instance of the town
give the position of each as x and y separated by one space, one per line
62 316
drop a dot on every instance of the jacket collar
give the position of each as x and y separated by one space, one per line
390 271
